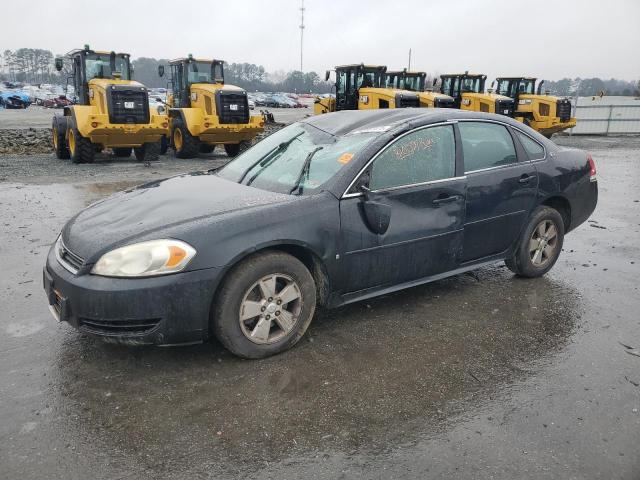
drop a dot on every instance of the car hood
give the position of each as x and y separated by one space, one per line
129 215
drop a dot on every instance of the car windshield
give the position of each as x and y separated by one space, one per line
99 66
295 160
414 83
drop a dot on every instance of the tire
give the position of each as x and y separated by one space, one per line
184 144
164 145
81 150
121 152
529 262
59 138
149 152
206 148
235 149
548 135
239 291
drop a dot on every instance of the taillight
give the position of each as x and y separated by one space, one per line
592 168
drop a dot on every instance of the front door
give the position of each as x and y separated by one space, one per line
501 189
415 177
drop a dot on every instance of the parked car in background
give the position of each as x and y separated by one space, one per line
327 211
56 102
14 99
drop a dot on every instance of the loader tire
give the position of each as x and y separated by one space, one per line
184 144
149 152
59 137
235 149
206 148
81 149
164 145
121 152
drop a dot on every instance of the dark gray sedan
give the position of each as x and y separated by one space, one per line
327 211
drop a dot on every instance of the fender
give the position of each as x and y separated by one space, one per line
191 117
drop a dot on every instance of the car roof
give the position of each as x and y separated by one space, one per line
383 120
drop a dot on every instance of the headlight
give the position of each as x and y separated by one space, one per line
156 257
524 101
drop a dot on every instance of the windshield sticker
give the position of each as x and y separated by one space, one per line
403 151
345 158
381 129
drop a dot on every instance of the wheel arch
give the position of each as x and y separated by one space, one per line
563 206
303 252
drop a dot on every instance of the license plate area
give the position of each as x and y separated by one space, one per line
57 302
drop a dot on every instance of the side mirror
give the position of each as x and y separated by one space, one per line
493 83
377 215
59 64
327 75
161 70
435 81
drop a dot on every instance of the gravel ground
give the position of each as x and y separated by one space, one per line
478 376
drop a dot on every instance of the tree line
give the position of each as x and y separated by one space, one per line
35 66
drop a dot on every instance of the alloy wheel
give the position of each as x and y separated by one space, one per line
543 243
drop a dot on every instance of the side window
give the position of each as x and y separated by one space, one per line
534 150
424 155
486 145
341 80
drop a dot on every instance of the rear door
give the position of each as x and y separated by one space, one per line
501 188
415 177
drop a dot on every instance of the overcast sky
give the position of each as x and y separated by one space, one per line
547 39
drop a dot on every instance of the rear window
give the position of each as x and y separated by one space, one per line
534 150
486 145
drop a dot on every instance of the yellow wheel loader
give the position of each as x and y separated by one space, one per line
468 93
416 82
111 111
361 87
544 113
204 112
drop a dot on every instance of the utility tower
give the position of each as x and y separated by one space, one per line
301 30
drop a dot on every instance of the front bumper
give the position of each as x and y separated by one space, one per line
164 310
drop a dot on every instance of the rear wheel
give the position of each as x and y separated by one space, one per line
264 306
206 148
81 150
184 144
121 152
235 149
59 133
149 152
539 245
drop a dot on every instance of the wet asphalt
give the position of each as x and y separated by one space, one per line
482 375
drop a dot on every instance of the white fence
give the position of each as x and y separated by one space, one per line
596 118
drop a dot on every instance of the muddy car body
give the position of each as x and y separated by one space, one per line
360 214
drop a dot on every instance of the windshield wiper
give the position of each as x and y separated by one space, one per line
304 171
264 161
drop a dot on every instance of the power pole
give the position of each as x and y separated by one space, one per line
301 30
409 60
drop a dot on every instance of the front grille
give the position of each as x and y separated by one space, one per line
128 104
232 106
118 327
68 259
505 107
404 100
563 110
443 102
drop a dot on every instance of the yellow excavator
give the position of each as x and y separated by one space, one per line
361 87
468 93
111 110
416 82
205 112
544 113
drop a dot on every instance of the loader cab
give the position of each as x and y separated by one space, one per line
188 71
88 64
456 85
351 78
404 80
513 87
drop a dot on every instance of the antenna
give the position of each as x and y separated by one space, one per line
302 9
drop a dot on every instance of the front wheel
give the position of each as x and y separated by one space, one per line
264 305
81 150
539 245
184 144
59 134
235 149
149 152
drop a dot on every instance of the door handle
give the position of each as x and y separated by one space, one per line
448 199
524 179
